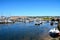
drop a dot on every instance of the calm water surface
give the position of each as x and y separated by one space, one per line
24 31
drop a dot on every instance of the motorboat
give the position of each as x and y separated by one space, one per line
54 33
40 22
55 22
37 23
6 22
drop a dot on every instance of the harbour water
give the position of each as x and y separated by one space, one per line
25 31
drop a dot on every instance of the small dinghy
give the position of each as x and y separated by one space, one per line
56 22
40 22
54 33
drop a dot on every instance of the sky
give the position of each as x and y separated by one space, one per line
29 7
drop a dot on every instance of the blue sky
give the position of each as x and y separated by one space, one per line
29 7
